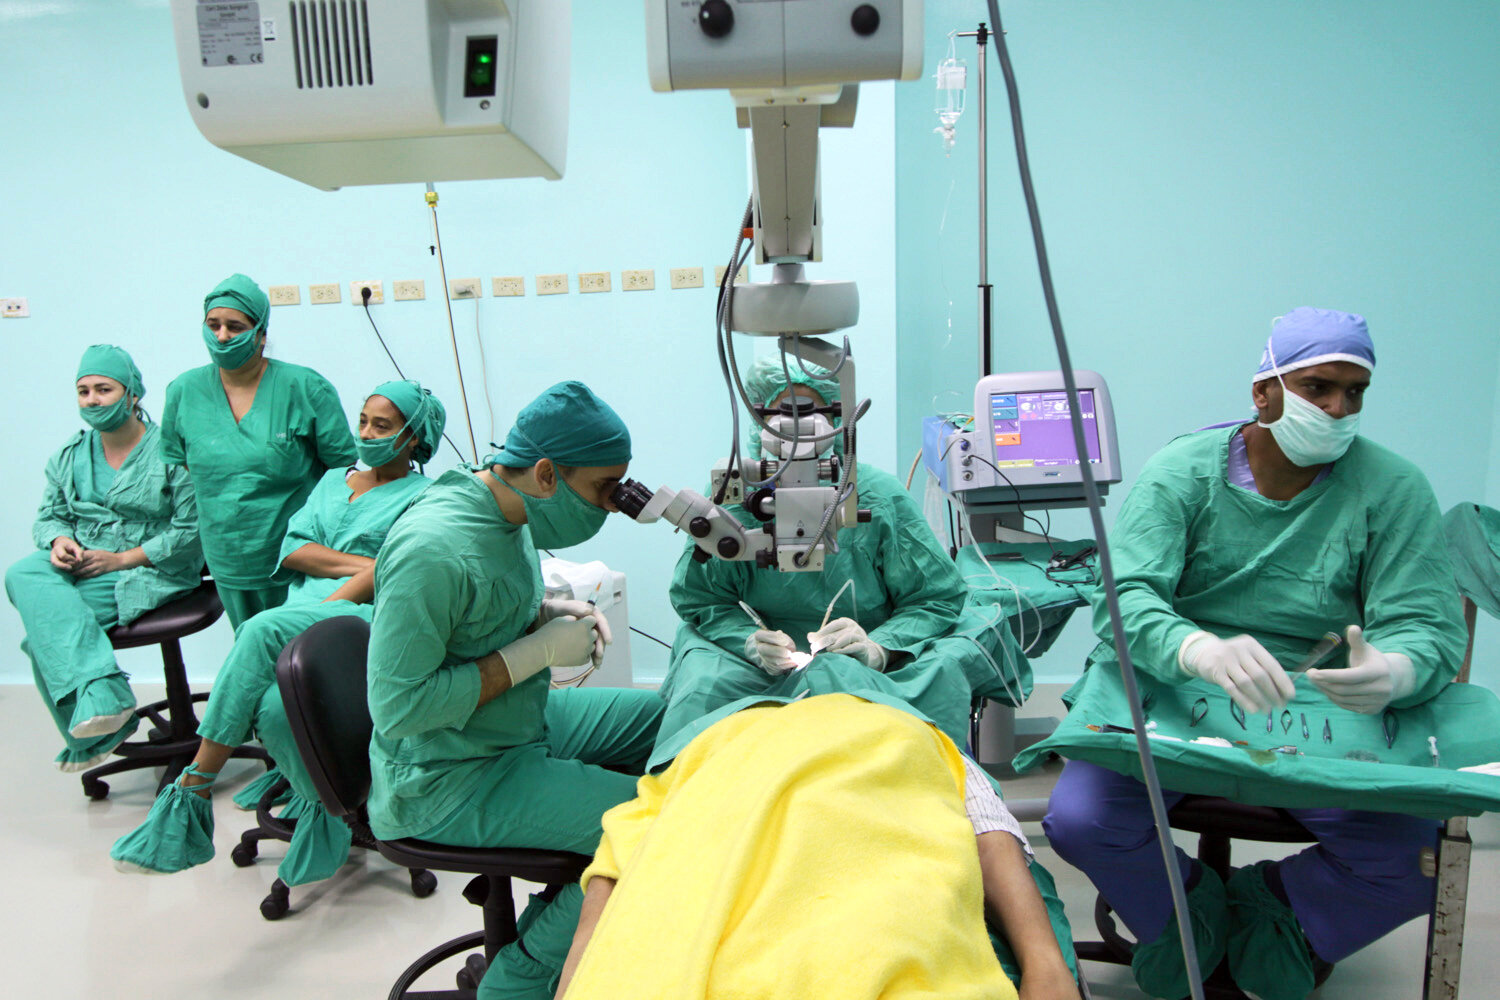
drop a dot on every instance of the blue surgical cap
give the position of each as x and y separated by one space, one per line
243 294
112 362
424 414
1305 337
568 424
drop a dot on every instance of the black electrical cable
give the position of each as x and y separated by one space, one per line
365 293
1091 490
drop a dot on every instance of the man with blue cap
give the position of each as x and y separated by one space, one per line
1236 550
469 747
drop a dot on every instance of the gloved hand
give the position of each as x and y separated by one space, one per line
771 650
562 607
561 642
1371 681
1239 665
844 635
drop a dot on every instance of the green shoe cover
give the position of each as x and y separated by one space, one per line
248 798
320 843
99 750
1268 953
1158 966
101 707
178 834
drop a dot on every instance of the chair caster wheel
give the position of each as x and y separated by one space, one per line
244 854
423 883
95 789
473 971
276 904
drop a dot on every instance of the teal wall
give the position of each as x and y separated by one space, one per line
1201 168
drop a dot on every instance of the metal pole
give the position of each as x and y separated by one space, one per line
986 290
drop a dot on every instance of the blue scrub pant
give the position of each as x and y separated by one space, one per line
1361 880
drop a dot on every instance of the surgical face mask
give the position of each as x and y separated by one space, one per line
563 519
234 353
376 452
1306 434
807 447
107 418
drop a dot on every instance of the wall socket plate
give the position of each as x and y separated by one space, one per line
284 295
409 291
739 279
506 287
14 308
637 281
322 295
356 296
552 284
465 288
593 281
687 277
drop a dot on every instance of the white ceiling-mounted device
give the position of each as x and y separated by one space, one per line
347 92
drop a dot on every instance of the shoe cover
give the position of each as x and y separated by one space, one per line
98 751
248 798
178 834
1158 966
320 843
101 707
1268 953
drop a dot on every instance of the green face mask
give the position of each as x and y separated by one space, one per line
379 451
563 519
235 352
107 418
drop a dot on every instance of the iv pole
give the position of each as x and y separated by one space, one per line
986 290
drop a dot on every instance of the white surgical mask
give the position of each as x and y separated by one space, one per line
1306 434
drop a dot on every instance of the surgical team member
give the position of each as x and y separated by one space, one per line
469 748
905 593
327 560
118 536
1236 550
256 434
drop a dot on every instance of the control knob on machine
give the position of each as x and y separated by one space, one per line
865 20
863 515
699 527
729 547
716 18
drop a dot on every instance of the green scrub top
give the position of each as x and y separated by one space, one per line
253 475
906 591
454 581
330 518
1362 547
143 503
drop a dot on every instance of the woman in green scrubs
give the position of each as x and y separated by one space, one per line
256 434
117 535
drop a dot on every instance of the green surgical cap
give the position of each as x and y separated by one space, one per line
239 292
112 362
423 411
766 380
568 424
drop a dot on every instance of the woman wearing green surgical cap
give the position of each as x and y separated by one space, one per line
256 434
118 534
469 747
328 560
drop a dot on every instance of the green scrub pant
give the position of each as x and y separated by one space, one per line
241 604
553 796
65 620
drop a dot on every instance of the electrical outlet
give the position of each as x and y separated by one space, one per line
687 277
409 291
505 287
739 279
356 289
322 295
284 295
593 281
552 284
464 288
14 308
637 281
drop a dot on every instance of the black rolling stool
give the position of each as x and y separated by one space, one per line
321 674
1216 821
174 740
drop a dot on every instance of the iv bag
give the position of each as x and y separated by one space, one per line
952 86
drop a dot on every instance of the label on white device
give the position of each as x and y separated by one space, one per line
229 34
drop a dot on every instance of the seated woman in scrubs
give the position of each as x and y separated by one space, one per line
328 562
118 536
257 435
1237 550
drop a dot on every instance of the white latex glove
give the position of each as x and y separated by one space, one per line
560 607
844 635
1371 681
771 650
1491 768
561 642
1239 665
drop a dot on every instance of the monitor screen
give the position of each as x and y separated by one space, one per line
1034 429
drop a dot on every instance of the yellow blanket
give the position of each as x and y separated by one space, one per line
818 850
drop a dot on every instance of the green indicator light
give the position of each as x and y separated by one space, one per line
484 59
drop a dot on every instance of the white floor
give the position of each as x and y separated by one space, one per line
72 927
